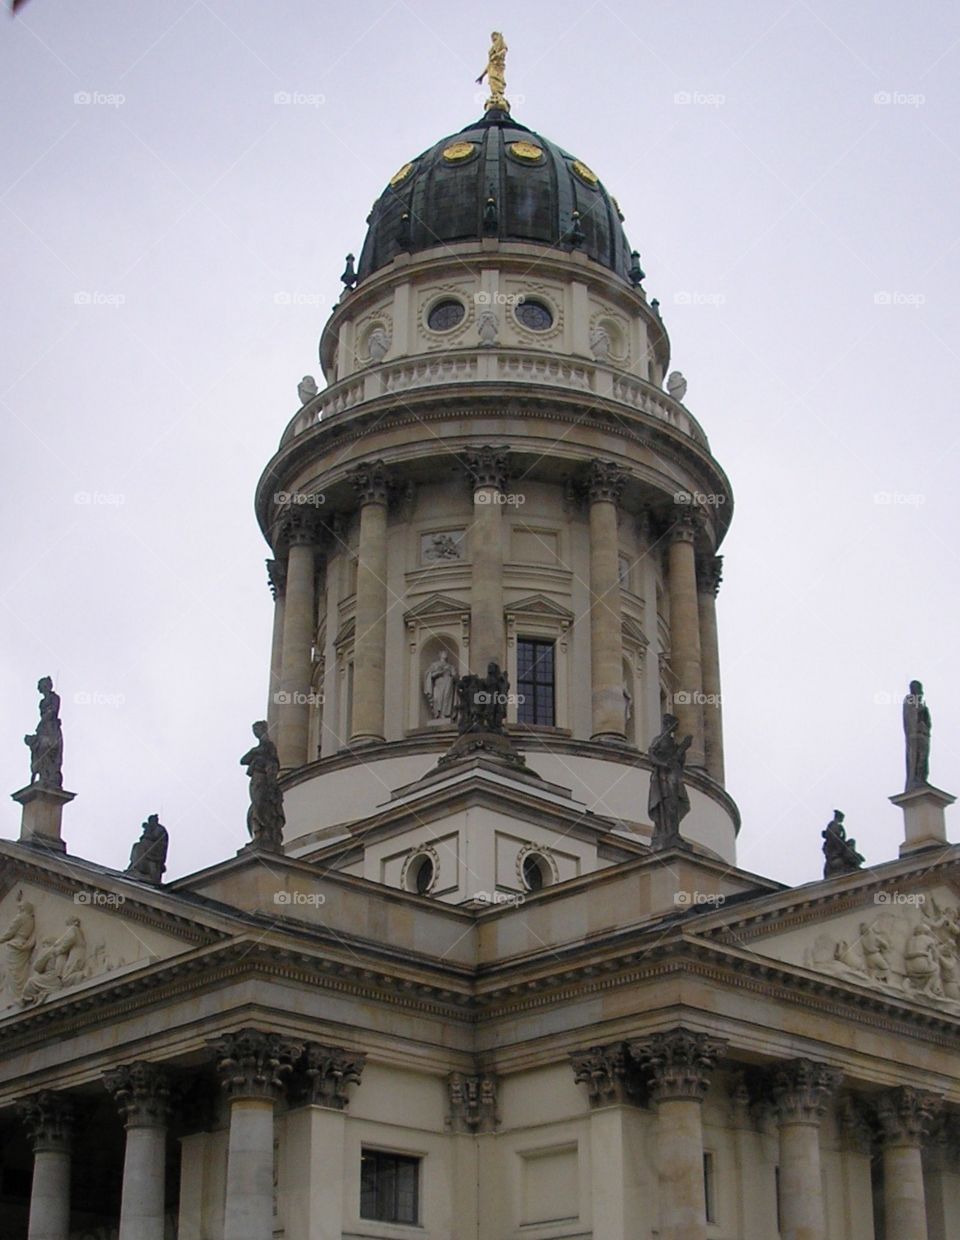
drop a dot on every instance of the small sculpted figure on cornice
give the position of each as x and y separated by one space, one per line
148 857
46 744
668 802
916 730
840 854
265 817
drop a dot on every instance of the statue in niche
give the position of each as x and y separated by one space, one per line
149 854
60 962
627 703
916 729
46 744
668 803
482 700
19 940
439 687
840 854
265 817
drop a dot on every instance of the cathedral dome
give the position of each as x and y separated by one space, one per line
495 179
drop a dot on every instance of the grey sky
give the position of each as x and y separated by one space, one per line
789 173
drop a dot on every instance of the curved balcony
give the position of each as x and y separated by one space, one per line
495 366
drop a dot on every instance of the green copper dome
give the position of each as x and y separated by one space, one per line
497 179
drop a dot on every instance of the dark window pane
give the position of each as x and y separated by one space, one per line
389 1187
445 315
535 681
534 315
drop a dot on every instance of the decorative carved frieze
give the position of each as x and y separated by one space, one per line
254 1064
801 1090
473 1102
608 1073
48 1119
487 466
907 1115
371 481
678 1063
329 1070
604 482
141 1092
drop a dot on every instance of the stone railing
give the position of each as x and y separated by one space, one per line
507 366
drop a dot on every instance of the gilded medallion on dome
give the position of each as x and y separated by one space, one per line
457 152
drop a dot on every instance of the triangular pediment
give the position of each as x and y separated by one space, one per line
539 605
61 931
436 605
898 933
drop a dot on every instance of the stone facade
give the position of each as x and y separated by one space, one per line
468 1000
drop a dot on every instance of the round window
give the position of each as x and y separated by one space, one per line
533 872
534 315
446 315
422 874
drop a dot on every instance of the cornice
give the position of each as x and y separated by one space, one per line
56 880
482 400
529 743
841 894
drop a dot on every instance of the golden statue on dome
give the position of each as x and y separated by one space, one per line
495 75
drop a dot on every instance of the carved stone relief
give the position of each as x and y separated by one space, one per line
909 945
44 953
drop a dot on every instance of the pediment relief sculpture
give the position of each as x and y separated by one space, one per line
44 953
909 946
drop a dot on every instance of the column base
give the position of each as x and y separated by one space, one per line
923 817
365 738
610 738
40 821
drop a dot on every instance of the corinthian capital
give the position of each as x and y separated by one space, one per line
802 1089
685 525
277 577
48 1119
487 466
141 1092
605 481
607 1072
907 1115
329 1070
709 574
253 1064
678 1063
371 481
299 527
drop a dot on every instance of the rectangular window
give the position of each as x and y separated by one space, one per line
536 681
709 1188
389 1187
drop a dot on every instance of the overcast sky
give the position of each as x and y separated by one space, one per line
790 174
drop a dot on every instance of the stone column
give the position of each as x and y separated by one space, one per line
685 658
142 1093
299 627
370 642
679 1064
906 1117
801 1090
487 468
604 484
315 1145
856 1134
47 1118
277 573
611 1082
252 1067
709 570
